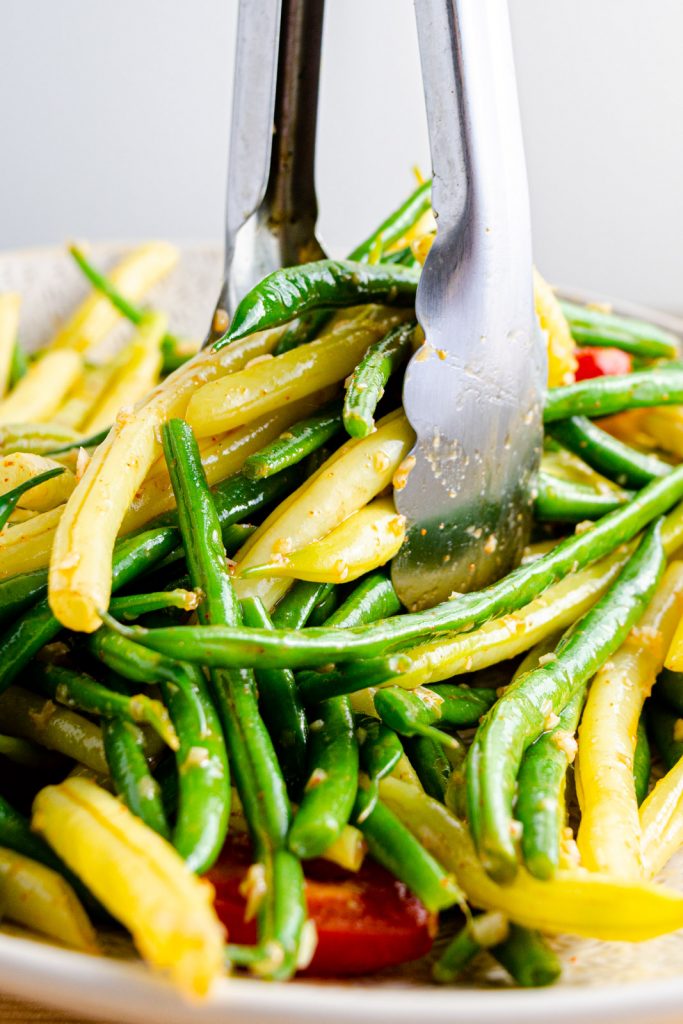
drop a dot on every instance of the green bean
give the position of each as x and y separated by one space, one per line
10 499
669 689
396 849
133 781
428 758
294 444
19 365
527 958
132 606
521 715
38 626
562 501
596 328
302 648
315 685
410 715
397 223
92 441
171 346
324 606
462 703
373 598
17 593
33 718
603 396
203 775
417 712
366 384
642 762
134 662
665 731
387 234
281 707
82 692
379 750
540 791
16 834
478 933
330 791
258 777
293 611
614 459
324 284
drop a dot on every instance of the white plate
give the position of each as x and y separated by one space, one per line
605 982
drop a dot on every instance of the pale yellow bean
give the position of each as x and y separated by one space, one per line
9 328
40 392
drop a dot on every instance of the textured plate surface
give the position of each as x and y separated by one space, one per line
602 982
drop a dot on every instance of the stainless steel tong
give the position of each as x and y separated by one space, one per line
475 401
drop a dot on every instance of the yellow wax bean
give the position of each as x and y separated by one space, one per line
136 377
38 898
27 546
609 833
665 426
138 877
352 477
88 390
271 383
574 902
80 564
16 469
9 328
39 438
133 276
556 609
562 360
40 720
366 540
220 458
661 821
40 392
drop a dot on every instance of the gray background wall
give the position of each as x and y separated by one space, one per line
114 124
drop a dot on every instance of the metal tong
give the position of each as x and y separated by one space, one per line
474 395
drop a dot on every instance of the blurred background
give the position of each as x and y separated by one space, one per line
115 122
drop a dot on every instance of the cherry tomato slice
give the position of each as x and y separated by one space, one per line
366 921
600 362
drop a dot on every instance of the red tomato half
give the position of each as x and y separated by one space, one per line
600 362
366 921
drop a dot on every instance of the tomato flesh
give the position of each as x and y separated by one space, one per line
601 362
366 921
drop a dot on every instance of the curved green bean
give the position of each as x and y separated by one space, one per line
321 646
609 456
397 849
366 384
562 501
281 707
295 608
387 234
379 750
203 775
428 758
410 714
10 499
591 326
133 781
330 791
603 396
540 791
17 593
294 444
526 956
324 284
76 690
521 714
